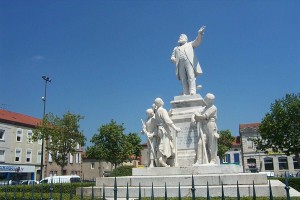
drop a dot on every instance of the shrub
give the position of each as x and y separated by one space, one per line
122 171
293 182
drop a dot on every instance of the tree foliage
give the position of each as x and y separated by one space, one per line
280 128
62 136
224 142
111 144
135 141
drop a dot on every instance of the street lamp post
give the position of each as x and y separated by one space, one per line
47 79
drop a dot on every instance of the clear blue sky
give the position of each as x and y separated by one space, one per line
111 59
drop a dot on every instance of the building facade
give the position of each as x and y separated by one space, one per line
233 156
275 164
74 166
92 168
20 158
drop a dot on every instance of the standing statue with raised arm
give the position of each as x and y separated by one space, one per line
187 65
166 147
207 118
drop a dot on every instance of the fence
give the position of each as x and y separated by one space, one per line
58 191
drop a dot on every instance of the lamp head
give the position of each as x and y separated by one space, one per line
46 78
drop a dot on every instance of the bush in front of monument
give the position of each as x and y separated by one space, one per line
122 171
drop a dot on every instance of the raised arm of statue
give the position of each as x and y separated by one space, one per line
198 39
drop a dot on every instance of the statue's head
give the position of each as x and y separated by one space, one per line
183 39
209 99
158 102
150 112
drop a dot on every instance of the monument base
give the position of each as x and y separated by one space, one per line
214 181
196 170
185 141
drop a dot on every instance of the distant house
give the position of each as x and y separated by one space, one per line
256 161
233 156
20 158
92 168
73 167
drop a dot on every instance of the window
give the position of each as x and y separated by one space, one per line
236 157
250 143
64 172
296 165
92 165
283 164
29 136
40 141
77 146
269 163
71 158
226 159
251 162
53 173
77 158
2 155
18 155
19 135
28 155
2 134
49 157
39 157
73 173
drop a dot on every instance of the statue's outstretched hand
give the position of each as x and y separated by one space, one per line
202 29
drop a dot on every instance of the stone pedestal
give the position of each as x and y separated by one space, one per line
185 141
155 179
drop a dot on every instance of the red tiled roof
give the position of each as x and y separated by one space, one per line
237 141
16 118
252 125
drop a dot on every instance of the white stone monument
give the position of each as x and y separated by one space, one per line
182 144
191 138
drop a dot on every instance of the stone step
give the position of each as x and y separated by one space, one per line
195 170
185 180
278 190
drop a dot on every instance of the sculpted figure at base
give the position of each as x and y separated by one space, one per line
187 65
166 147
207 126
150 129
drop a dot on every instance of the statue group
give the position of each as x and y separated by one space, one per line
158 131
159 128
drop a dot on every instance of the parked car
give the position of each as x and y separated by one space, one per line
11 182
298 175
61 179
28 182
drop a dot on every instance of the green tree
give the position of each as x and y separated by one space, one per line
110 144
280 128
224 142
62 136
135 141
